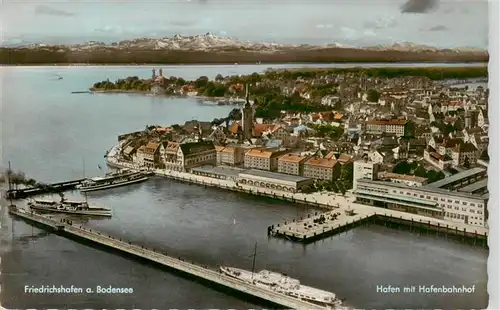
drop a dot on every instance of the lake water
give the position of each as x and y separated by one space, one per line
48 133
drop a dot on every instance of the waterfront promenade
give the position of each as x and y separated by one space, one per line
341 218
322 200
214 276
295 228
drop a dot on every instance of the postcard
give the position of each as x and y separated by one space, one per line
245 154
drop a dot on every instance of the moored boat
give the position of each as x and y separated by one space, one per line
280 283
116 179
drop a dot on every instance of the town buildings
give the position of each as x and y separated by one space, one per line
394 126
409 180
365 169
327 169
292 164
231 155
441 129
196 154
171 155
263 158
149 155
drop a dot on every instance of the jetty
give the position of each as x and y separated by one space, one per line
82 92
213 276
321 225
43 189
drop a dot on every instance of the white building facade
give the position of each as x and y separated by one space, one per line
364 169
453 206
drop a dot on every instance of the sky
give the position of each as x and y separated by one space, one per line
440 23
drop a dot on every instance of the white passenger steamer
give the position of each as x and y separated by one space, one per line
68 207
280 283
114 179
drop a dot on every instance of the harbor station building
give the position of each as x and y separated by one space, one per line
461 198
256 178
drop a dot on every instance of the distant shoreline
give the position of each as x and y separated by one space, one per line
147 92
466 63
51 55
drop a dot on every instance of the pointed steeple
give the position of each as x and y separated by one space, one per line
247 117
247 96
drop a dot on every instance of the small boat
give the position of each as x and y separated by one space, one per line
113 179
280 283
68 207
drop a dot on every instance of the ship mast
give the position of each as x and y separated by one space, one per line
83 167
254 255
9 172
9 175
83 172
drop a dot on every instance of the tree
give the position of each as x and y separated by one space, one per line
342 189
200 82
347 173
420 172
372 95
459 124
466 162
402 167
484 155
448 128
254 78
219 78
180 82
235 114
433 176
217 121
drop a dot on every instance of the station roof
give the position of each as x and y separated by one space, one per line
219 170
273 175
476 186
456 177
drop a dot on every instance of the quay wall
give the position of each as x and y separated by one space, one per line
331 202
191 269
319 200
307 231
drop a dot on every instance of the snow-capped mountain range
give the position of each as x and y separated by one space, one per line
211 42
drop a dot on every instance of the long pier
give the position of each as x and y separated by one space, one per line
43 189
204 273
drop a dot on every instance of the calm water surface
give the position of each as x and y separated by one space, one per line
48 133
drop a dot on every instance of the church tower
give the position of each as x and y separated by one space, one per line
468 119
154 75
247 117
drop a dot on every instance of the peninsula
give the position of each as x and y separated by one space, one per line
299 90
212 49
